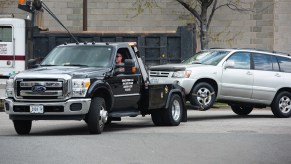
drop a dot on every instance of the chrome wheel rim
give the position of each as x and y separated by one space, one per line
284 104
176 110
204 96
103 116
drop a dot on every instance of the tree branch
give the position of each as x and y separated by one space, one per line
192 10
209 3
212 13
233 6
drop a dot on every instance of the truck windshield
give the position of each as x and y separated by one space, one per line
91 56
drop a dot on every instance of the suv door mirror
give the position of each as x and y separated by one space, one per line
229 64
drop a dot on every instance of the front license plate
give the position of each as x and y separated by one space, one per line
36 108
154 81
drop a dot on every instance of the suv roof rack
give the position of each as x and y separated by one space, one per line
216 48
277 52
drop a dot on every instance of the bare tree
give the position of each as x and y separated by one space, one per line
199 9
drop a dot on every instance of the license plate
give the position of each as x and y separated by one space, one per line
154 81
36 108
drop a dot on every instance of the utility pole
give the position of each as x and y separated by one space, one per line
85 17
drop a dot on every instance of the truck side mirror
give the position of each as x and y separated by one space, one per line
32 63
129 66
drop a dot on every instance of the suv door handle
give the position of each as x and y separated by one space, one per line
249 73
277 75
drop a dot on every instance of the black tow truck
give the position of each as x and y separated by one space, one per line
80 81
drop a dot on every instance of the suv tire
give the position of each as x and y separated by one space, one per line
203 95
281 106
241 110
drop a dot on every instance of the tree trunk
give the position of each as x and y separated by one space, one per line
203 27
204 36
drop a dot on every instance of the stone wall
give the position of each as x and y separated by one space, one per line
108 16
244 29
282 26
267 28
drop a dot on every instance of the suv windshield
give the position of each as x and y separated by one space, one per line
92 56
196 58
211 57
214 57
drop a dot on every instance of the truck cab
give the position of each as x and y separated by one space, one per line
81 81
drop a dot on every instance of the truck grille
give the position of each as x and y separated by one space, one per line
159 74
41 89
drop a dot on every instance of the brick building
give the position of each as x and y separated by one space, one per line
268 28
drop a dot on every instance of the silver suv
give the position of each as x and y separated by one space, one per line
243 78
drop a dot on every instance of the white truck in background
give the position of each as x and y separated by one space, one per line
13 49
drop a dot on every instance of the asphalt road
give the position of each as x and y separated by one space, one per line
214 136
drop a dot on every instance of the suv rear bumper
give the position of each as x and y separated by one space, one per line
72 109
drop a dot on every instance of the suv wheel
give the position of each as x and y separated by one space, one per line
203 95
241 110
281 106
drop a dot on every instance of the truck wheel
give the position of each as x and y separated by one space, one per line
241 110
172 115
22 126
281 106
97 115
157 117
203 95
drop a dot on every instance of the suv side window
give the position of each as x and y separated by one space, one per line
284 63
275 64
262 62
239 60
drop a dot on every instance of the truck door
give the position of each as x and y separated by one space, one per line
125 87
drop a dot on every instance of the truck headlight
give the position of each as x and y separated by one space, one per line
9 88
80 87
182 74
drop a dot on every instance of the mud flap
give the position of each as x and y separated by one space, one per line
185 115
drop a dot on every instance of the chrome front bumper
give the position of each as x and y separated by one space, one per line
10 103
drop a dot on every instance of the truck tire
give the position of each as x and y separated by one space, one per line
203 95
241 110
281 106
172 115
22 126
157 117
97 115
